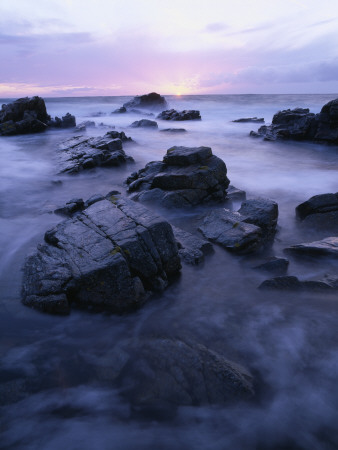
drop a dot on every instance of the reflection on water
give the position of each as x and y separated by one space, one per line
54 395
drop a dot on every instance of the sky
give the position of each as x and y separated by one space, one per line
58 48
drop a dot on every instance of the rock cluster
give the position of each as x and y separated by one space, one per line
186 176
83 152
172 114
300 124
107 256
243 231
147 101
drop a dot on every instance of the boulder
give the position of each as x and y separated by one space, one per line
83 152
262 212
327 247
108 256
291 283
191 248
172 114
159 372
84 125
320 212
249 119
186 177
275 265
144 123
235 194
229 230
300 124
147 101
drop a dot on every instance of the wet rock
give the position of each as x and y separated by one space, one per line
291 283
172 114
235 194
187 176
300 124
320 212
191 248
174 130
83 152
84 125
120 110
108 256
327 247
249 119
67 121
262 212
147 101
74 205
144 123
275 265
154 372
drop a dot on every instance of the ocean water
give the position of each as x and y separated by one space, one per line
288 341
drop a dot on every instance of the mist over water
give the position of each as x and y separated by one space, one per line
52 397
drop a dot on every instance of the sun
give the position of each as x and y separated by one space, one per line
178 94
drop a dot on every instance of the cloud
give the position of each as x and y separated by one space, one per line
216 27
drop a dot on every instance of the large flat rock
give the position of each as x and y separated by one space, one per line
326 247
109 255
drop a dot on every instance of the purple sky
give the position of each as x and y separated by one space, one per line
128 47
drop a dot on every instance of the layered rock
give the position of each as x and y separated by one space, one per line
243 231
147 101
107 256
186 176
300 124
144 123
327 247
172 114
320 211
83 152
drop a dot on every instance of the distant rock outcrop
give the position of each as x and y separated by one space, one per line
107 256
300 124
147 101
186 176
172 114
249 120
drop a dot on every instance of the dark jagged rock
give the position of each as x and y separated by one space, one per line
300 124
275 265
144 123
229 230
172 114
235 194
249 119
187 176
174 130
74 205
157 373
262 212
147 101
83 152
191 248
291 283
67 121
84 125
108 256
327 247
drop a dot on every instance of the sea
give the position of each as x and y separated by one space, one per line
287 340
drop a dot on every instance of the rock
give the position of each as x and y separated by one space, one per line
139 111
67 121
83 152
235 194
25 115
155 372
327 247
262 212
84 125
74 205
144 123
120 110
300 124
249 119
174 130
108 256
187 176
291 283
320 211
172 114
191 248
147 101
278 266
229 230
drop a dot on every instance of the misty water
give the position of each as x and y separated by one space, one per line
288 341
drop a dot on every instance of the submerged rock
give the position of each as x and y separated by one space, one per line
327 247
291 283
172 114
84 125
278 266
249 119
187 176
83 152
174 130
191 248
300 124
120 110
108 256
147 101
144 123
